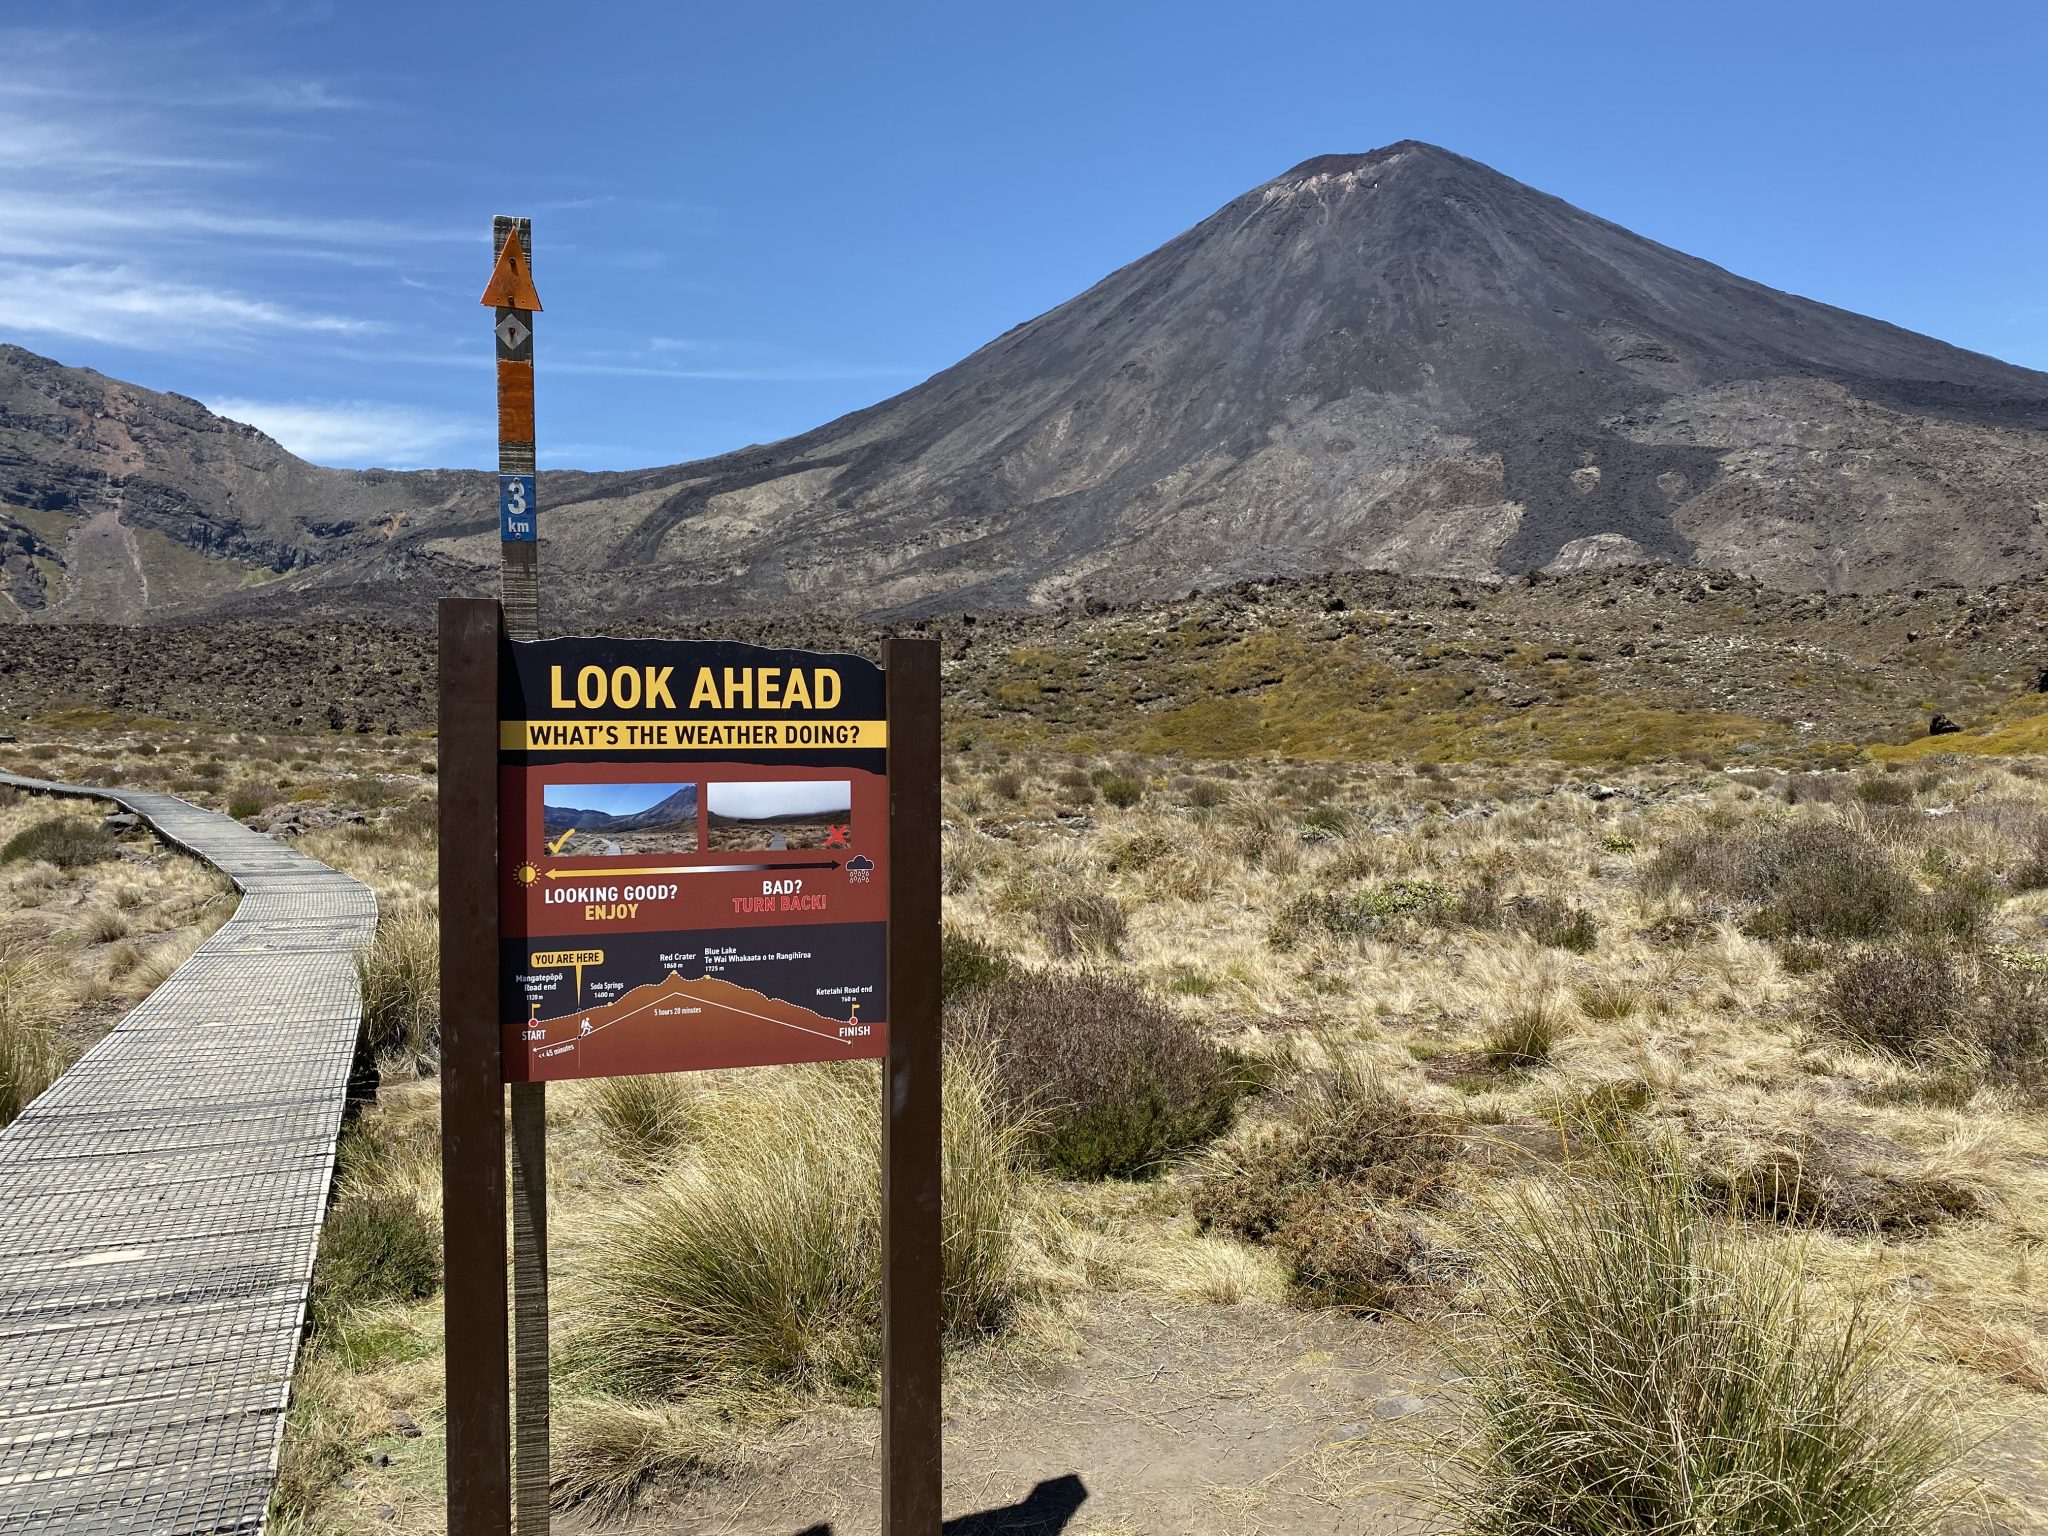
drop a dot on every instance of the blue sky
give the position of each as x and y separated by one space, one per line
612 799
750 219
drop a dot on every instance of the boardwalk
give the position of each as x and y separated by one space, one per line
160 1205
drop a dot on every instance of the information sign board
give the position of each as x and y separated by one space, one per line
693 859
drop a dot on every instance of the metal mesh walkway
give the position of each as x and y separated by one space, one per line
160 1205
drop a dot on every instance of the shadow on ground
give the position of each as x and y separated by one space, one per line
1044 1511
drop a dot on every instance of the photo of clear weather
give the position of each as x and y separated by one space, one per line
587 819
780 813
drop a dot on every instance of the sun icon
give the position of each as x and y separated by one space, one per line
526 874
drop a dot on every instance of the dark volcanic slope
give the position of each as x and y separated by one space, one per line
1398 360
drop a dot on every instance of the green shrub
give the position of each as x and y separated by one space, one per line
1327 1187
376 1246
642 1118
1358 1257
1347 914
1110 1081
966 962
400 975
65 841
1121 792
757 1261
1640 1371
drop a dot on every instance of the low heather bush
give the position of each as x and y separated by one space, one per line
65 841
1907 1002
1109 1080
1918 1005
1803 879
1327 1187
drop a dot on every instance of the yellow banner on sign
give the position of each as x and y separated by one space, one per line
576 957
689 735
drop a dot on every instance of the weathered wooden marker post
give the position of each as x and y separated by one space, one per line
756 882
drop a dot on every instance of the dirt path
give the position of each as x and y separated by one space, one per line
1195 1421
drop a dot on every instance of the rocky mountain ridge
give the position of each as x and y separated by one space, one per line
1398 361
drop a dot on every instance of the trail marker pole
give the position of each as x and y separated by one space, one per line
867 738
513 302
912 1238
472 1084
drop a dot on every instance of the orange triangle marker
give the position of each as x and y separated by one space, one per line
511 284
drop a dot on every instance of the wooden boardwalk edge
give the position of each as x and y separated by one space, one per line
161 1203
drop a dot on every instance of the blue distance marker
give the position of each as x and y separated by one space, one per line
518 505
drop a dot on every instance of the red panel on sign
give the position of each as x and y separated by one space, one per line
667 908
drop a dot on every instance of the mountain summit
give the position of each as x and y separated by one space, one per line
1400 360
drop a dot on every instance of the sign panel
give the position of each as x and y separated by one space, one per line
517 498
693 861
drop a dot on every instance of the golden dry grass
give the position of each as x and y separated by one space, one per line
1308 915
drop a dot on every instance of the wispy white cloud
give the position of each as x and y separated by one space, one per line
132 201
352 432
777 373
41 223
131 306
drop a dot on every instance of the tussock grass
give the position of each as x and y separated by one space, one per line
610 1455
645 1118
1640 1369
1082 923
30 1005
400 974
157 962
1525 1036
756 1260
374 1247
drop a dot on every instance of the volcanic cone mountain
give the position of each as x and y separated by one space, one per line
1399 360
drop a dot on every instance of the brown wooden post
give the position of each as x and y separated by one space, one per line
912 1239
472 1085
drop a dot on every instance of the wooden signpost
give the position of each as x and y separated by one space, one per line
665 856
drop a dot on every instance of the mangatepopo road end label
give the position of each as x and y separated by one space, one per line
694 857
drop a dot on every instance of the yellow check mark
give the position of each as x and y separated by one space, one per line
556 845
